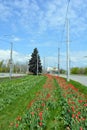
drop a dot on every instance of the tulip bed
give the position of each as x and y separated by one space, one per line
10 91
57 105
15 95
43 112
75 113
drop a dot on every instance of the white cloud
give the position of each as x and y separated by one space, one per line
78 56
5 12
76 60
16 39
4 54
35 44
29 15
51 14
17 57
78 17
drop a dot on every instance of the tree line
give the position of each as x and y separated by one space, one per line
78 70
16 68
34 66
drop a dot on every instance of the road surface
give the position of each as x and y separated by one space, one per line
79 78
3 75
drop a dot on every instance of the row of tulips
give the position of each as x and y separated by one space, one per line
10 91
38 110
72 104
76 105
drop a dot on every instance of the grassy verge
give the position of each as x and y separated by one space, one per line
44 111
74 104
82 88
48 102
55 122
18 106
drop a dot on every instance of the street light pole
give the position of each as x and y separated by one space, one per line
58 61
37 64
68 68
11 60
44 65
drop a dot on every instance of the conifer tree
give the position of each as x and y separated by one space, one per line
35 66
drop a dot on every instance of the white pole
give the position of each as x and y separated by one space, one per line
37 64
44 65
11 61
58 61
68 69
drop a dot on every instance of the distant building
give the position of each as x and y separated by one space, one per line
52 70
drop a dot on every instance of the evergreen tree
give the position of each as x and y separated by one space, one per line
35 63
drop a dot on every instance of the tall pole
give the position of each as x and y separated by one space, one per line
44 65
58 61
68 68
37 64
11 60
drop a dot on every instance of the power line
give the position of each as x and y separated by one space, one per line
62 34
66 22
67 10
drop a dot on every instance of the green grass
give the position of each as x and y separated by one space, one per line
55 114
82 88
20 91
20 102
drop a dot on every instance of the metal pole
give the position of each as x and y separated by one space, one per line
68 69
44 64
37 64
58 61
11 61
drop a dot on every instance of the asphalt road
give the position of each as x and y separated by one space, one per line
79 78
2 75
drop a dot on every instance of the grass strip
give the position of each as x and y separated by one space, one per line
18 106
82 88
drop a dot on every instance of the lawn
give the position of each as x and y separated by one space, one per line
15 95
42 103
82 88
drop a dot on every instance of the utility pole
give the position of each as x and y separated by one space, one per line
11 61
27 68
44 66
58 61
37 64
68 68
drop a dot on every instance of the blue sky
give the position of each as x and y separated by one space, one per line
40 23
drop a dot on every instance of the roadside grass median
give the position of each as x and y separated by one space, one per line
82 88
43 103
15 95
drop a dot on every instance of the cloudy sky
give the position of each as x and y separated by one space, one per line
41 23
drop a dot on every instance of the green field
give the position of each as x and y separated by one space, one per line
15 95
81 87
42 103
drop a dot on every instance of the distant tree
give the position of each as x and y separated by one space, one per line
1 65
75 70
35 62
62 71
85 71
81 71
